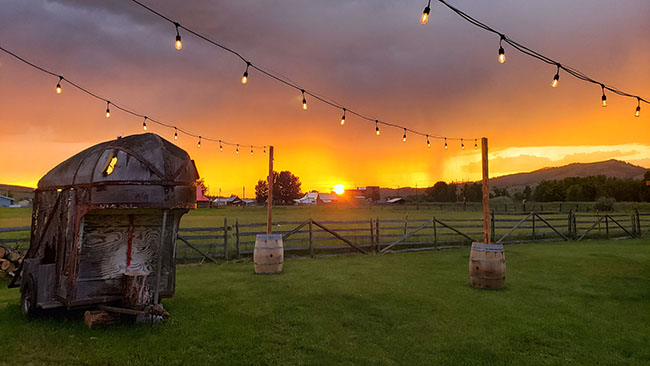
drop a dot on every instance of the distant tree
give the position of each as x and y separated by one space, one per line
500 192
472 192
372 194
646 176
261 191
442 192
528 193
286 188
206 188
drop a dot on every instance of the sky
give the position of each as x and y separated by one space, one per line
373 56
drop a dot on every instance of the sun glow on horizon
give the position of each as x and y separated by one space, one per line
339 188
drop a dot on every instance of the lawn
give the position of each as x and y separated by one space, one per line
565 303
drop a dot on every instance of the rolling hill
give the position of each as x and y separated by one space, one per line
610 168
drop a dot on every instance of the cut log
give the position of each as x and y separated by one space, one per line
3 251
94 317
11 268
13 256
4 264
137 294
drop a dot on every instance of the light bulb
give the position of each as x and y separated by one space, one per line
198 144
58 85
404 137
462 145
428 142
175 133
264 150
502 55
638 107
144 123
244 78
304 101
251 149
446 147
178 43
556 79
108 110
425 14
604 97
343 118
237 150
377 127
475 144
220 146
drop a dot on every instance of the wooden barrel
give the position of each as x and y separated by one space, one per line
487 266
268 254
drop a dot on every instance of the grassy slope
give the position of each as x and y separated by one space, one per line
566 303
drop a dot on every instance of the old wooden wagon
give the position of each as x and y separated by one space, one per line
104 224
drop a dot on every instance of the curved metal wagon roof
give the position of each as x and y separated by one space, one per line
140 159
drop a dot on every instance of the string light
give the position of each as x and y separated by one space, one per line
475 144
123 109
638 107
425 14
462 145
343 118
198 144
446 147
251 149
377 127
556 78
428 142
304 101
144 123
237 150
220 146
604 97
244 78
404 137
502 52
264 150
58 85
178 43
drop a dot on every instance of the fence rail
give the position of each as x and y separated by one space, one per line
311 237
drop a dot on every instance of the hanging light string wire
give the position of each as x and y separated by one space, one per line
117 106
532 53
291 84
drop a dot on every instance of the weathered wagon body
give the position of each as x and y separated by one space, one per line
110 210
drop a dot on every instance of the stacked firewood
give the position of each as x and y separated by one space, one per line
10 260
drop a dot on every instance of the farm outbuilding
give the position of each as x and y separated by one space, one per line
6 201
103 217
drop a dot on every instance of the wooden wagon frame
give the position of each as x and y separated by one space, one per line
110 211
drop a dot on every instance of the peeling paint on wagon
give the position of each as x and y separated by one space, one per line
100 214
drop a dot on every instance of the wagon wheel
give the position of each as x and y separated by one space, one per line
28 298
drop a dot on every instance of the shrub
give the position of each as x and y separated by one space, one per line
605 204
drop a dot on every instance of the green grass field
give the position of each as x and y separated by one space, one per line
564 304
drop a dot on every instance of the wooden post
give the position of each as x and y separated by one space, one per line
225 238
237 238
607 226
377 235
406 222
533 227
486 191
269 205
435 233
372 236
311 238
493 225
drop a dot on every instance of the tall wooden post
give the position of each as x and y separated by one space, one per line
269 205
486 192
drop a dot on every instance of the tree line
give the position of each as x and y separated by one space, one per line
586 189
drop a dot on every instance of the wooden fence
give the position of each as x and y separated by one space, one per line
231 240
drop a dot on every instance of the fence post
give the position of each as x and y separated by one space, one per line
607 226
406 222
378 236
237 238
534 226
569 223
435 233
493 226
638 223
311 239
225 238
372 236
575 227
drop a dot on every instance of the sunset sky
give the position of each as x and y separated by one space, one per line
373 56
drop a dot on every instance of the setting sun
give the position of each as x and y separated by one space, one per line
339 188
